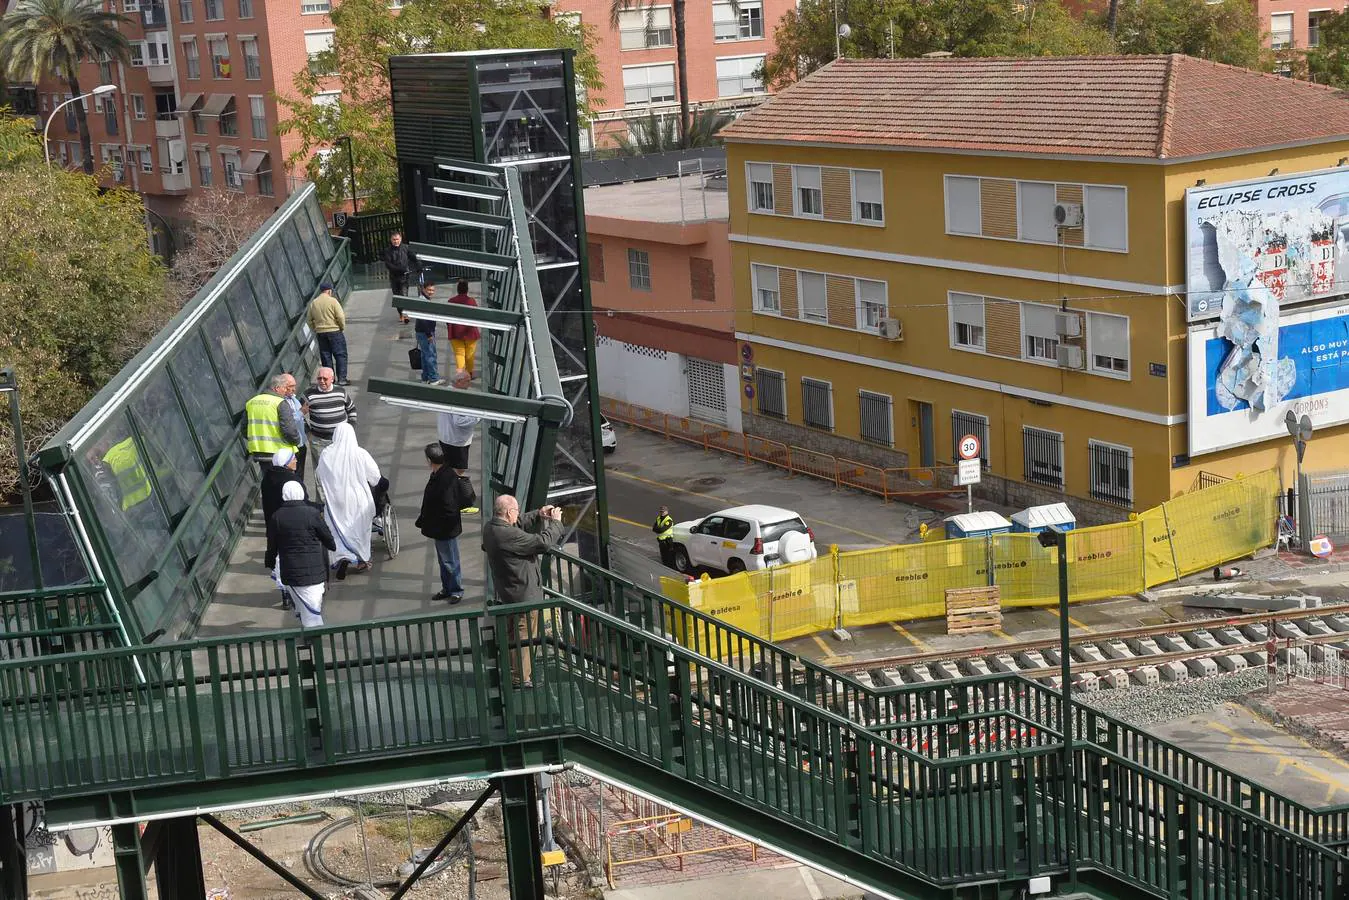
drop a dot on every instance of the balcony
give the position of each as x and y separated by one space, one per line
161 74
168 127
175 182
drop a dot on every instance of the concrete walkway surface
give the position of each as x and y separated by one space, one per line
794 882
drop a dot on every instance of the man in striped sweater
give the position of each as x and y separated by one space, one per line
325 407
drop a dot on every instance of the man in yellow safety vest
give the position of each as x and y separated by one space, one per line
664 529
271 427
124 463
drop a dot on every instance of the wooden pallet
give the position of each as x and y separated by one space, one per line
970 610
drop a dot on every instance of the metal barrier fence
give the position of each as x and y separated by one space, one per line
1328 500
886 483
1191 533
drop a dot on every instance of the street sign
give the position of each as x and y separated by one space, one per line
339 220
1304 428
969 448
969 471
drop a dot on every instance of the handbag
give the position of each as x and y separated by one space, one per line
415 358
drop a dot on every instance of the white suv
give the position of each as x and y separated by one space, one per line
743 538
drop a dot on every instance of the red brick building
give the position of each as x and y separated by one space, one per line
638 63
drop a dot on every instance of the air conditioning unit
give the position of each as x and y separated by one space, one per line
1070 357
1068 215
891 329
1068 325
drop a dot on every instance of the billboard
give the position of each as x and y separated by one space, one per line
1271 241
1237 396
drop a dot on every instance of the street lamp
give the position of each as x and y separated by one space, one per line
351 167
99 91
1056 537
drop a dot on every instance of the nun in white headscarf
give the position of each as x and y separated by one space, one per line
346 474
299 552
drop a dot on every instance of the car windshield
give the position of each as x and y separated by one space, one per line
775 531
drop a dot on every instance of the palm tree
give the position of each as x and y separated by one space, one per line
52 37
656 134
681 57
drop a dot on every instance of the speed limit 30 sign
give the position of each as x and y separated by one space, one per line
969 447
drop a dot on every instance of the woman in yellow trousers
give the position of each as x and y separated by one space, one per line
464 338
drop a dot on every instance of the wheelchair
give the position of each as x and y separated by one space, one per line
385 524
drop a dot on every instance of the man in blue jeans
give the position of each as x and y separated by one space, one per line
426 341
329 324
447 492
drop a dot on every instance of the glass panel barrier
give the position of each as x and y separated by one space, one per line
284 275
228 355
248 320
168 444
274 311
191 369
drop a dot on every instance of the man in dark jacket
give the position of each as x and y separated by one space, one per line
401 264
513 543
426 341
447 492
299 539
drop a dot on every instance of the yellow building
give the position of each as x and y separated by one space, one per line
901 279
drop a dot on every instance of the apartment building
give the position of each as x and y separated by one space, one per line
1055 255
724 47
196 106
1294 24
660 283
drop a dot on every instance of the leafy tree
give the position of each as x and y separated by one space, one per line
804 38
1223 32
1328 61
366 34
50 37
656 134
80 289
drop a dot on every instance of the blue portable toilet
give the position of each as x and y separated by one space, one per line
1037 518
976 524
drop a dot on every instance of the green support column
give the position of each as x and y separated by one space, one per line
520 821
178 860
126 854
13 859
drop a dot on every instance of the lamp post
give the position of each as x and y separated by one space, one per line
96 92
351 168
1056 537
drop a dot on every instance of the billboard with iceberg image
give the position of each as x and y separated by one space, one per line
1285 238
1248 370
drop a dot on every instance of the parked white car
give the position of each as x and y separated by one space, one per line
743 538
608 439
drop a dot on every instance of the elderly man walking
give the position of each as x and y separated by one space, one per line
270 426
513 543
328 321
300 542
326 407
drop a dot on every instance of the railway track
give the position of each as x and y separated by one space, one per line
1145 655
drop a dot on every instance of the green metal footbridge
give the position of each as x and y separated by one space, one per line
112 711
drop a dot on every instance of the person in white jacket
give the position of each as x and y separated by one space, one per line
456 431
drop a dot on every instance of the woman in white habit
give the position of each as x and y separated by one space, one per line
346 474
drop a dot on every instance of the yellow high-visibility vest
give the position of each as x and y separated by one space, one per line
665 524
124 461
263 432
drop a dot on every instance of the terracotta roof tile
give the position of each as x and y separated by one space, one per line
1157 107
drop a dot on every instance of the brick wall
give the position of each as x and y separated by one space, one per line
702 279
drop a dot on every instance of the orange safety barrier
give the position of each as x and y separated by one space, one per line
882 482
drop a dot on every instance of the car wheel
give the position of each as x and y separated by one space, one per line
733 566
608 450
681 559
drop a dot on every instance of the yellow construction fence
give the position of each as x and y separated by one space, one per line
1193 532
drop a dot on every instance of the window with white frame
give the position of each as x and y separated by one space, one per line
316 45
234 178
747 25
170 163
147 161
648 84
760 187
735 76
645 28
185 11
220 56
868 200
193 58
315 7
252 59
1112 473
771 388
327 98
639 269
1106 212
875 413
245 9
808 197
157 49
215 10
767 293
138 106
872 304
257 109
137 53
963 423
205 171
1035 212
1280 30
1039 333
1314 20
817 403
1042 456
967 321
964 214
812 294
1108 344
